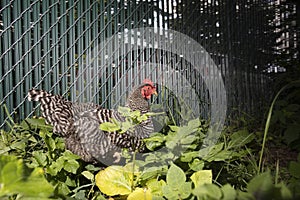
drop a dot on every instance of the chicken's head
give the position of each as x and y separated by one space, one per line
148 89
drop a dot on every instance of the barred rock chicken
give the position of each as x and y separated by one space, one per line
79 124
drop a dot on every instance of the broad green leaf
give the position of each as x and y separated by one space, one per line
130 170
185 131
56 166
285 192
71 166
125 111
202 177
185 190
169 192
50 142
88 175
135 114
177 193
208 191
175 176
209 153
196 165
16 178
142 118
294 169
63 189
189 139
156 186
140 194
70 182
40 158
292 133
4 160
262 186
155 140
176 186
125 126
240 138
244 196
67 161
92 168
222 156
113 181
109 127
151 172
195 123
80 195
68 155
174 128
11 172
189 156
35 123
35 185
170 144
229 192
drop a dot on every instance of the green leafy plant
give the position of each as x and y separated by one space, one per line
176 166
17 179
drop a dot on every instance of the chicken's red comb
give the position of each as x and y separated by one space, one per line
148 81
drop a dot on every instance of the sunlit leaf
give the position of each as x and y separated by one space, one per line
169 192
156 186
125 111
40 158
142 118
208 191
222 155
185 190
175 176
195 123
125 126
113 181
188 156
88 175
229 192
196 165
109 127
155 140
71 166
140 194
63 188
16 178
202 177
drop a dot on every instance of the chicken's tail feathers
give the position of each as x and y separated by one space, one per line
37 95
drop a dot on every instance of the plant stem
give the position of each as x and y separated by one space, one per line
269 120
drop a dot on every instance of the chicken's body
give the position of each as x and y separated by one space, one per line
79 124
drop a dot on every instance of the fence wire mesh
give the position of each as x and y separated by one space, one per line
96 51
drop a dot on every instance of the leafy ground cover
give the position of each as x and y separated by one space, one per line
246 162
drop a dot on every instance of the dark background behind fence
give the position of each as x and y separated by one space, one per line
45 44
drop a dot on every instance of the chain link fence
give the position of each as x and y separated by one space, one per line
89 50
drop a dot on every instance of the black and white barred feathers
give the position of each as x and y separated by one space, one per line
79 124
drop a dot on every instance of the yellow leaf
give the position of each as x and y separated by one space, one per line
201 177
114 181
140 194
